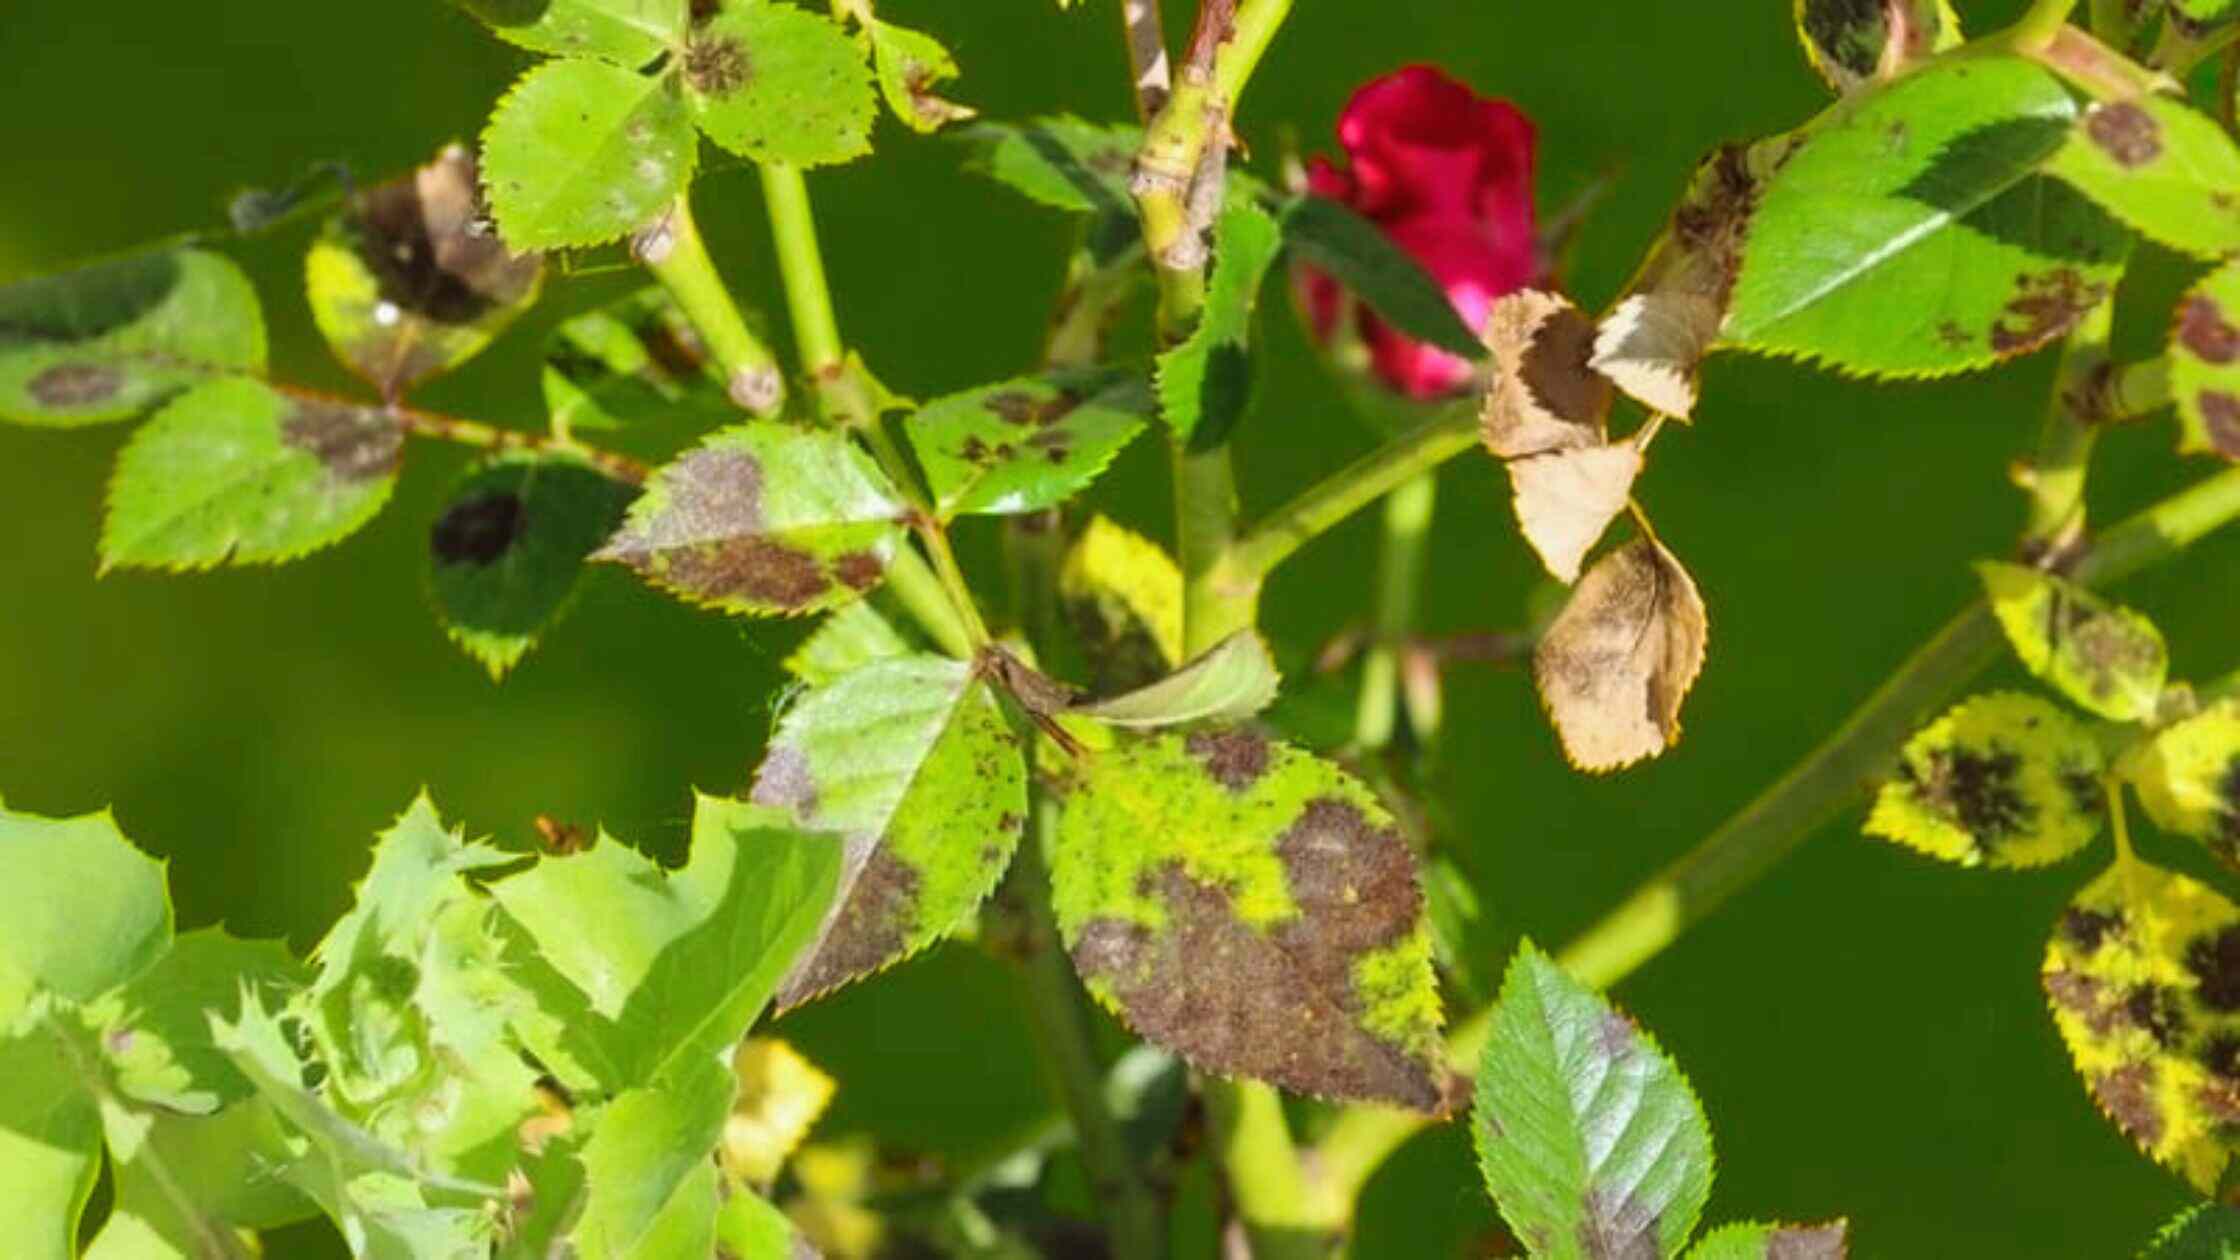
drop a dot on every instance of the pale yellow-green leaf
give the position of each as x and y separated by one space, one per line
2005 780
2188 777
2106 658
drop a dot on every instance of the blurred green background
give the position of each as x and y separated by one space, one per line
1865 1027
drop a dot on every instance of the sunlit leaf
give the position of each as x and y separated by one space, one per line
168 1005
851 637
50 1145
1915 236
236 472
911 65
2206 1231
2006 780
1566 500
764 519
1542 396
2162 167
1615 664
196 1176
752 1229
504 555
2105 658
581 152
2188 777
2143 972
1773 1242
1854 42
626 32
1229 682
109 341
2205 365
1361 257
777 83
81 909
1588 1137
1254 909
1061 162
409 282
1205 382
646 1169
780 1096
636 361
1027 444
1123 596
911 762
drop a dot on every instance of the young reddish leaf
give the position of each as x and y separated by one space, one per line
2143 973
1773 1242
1589 1139
1567 499
1253 909
1854 42
1542 397
2107 659
408 282
2205 365
2161 166
2005 780
1615 664
911 762
776 83
764 519
109 341
2188 777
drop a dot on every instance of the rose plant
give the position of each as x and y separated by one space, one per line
1093 767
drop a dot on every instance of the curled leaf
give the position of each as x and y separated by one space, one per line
1567 499
1230 682
1543 396
910 66
1615 664
2107 659
2005 780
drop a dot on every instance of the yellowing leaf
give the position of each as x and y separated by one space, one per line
1124 597
2007 780
2205 365
2188 777
1567 499
2143 974
1543 397
1615 664
2107 659
780 1096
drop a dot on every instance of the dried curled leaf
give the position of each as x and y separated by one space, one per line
2107 659
1254 909
911 65
1615 664
1567 499
2188 777
2006 780
2143 975
1543 396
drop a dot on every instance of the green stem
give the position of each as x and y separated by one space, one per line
2138 389
793 227
1267 1182
1827 781
926 597
672 249
490 437
1205 502
2055 477
951 577
2041 22
1407 525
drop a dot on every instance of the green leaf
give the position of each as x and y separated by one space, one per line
647 1171
626 32
229 1167
1254 909
2188 777
1327 235
1062 162
1205 383
1026 444
2205 1231
50 1142
750 1228
1914 236
236 472
82 910
636 361
910 66
109 341
1589 1138
2160 166
675 968
1123 596
764 519
1773 1242
2143 974
581 152
2007 780
1233 680
1851 43
405 283
2205 365
2106 659
911 762
776 83
170 1005
504 556
853 636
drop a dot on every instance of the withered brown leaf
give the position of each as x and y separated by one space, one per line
1543 396
1617 661
1566 499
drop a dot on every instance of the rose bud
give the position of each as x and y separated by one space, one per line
1447 175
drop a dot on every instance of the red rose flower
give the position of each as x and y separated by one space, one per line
1448 175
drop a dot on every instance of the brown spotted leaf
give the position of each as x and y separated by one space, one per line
2007 780
2205 365
1027 444
1254 909
909 760
1542 396
410 280
777 83
2188 777
911 65
1567 499
1853 43
2143 975
2105 658
236 472
1773 1242
764 519
2161 166
1615 664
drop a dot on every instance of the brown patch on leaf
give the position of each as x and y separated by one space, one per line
1617 1226
784 782
716 65
870 929
1976 790
478 529
1359 880
2081 995
2157 1011
2045 306
1543 396
705 541
67 385
2125 132
861 570
2202 329
760 570
1616 663
2220 418
1018 407
2215 964
428 242
2086 929
1808 1242
354 444
2127 1095
1234 757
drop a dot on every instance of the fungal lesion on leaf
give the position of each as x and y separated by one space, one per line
716 64
478 529
354 444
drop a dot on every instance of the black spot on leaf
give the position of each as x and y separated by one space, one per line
355 444
861 570
2086 929
2215 964
477 529
2045 306
2157 1011
1977 789
716 65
